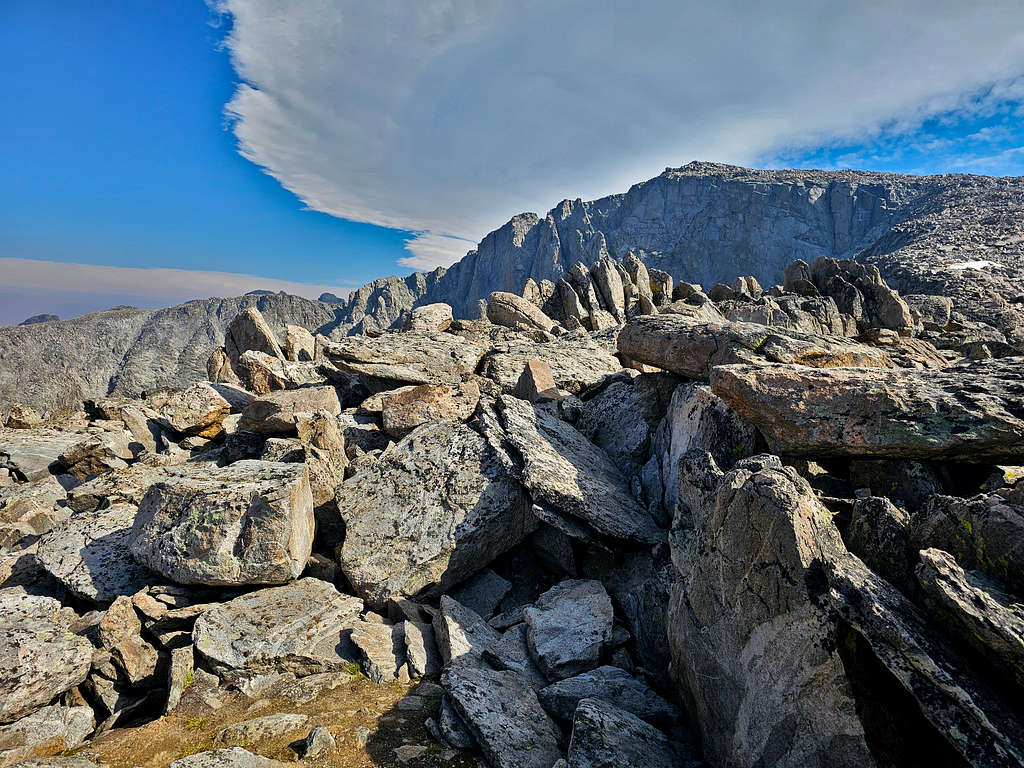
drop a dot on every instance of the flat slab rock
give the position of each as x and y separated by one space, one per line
569 627
405 358
564 470
54 728
604 736
609 684
460 633
250 522
41 659
274 413
294 628
33 452
432 510
970 412
502 712
229 757
576 361
90 554
691 348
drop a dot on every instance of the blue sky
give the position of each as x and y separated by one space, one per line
138 134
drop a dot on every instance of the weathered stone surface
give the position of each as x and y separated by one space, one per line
90 553
229 757
483 592
504 716
99 453
512 652
514 311
41 659
576 361
51 729
249 330
198 410
383 649
402 412
299 344
250 732
604 736
569 627
318 742
609 684
247 523
879 534
394 359
120 632
430 318
985 532
179 674
432 510
691 348
32 453
536 382
261 373
421 649
57 762
30 509
275 413
883 413
975 610
460 633
742 615
22 417
294 628
560 467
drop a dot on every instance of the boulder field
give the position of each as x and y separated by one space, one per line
616 521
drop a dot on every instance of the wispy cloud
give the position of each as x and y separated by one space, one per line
445 117
30 287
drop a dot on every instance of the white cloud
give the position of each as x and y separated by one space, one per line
430 250
448 116
29 287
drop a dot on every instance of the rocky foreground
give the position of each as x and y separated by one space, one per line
618 521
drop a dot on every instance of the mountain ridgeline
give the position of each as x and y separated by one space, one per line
952 235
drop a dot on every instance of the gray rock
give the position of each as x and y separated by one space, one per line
452 727
197 410
57 762
692 347
421 649
460 633
879 534
402 412
604 736
251 732
569 627
429 318
120 632
90 553
250 331
975 610
742 615
56 728
536 383
179 673
32 453
229 757
883 413
42 657
383 649
432 510
985 532
560 467
275 413
512 652
609 684
299 344
30 509
394 359
483 592
247 523
507 309
503 714
301 627
576 361
318 742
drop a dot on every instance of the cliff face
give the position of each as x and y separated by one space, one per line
708 223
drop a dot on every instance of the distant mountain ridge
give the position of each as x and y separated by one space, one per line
960 236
